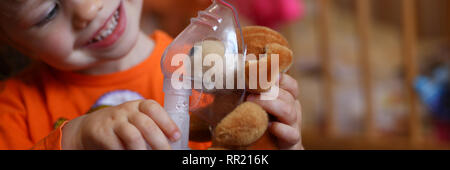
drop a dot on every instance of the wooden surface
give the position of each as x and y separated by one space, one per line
369 138
314 141
324 133
363 19
410 67
323 24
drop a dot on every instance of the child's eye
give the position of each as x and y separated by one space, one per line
50 16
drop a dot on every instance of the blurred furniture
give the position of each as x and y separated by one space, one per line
326 135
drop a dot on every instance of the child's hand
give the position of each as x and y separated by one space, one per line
286 108
131 125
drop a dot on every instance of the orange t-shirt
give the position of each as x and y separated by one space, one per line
31 103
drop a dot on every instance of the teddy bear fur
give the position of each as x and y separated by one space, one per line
245 127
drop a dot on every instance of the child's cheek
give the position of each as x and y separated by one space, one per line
57 46
136 5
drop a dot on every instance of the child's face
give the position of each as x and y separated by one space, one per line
71 34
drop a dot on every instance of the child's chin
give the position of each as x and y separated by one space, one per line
114 56
121 49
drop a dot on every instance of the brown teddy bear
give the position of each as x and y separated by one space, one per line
245 127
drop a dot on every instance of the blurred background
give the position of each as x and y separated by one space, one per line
373 74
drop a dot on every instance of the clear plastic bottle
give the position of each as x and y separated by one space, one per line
219 22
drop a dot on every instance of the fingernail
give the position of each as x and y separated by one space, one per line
176 136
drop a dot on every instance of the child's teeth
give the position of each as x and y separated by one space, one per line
109 29
104 33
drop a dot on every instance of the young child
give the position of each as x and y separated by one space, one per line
92 53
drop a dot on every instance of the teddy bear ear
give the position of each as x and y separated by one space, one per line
285 60
257 37
285 55
275 37
253 84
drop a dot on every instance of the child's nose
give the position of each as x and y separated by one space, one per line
85 11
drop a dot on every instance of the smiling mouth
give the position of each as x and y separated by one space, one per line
111 31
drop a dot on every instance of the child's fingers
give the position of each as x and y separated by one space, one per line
298 108
95 135
286 96
152 134
114 144
283 111
286 134
161 118
102 139
289 84
130 136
